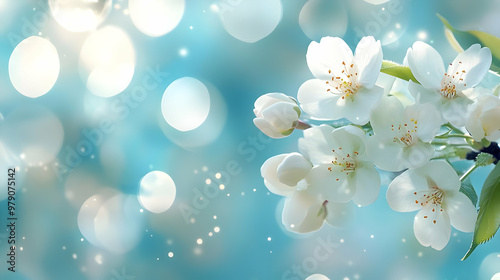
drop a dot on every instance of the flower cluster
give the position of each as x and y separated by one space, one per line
396 126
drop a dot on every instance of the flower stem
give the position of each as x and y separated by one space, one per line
302 125
454 136
453 128
468 172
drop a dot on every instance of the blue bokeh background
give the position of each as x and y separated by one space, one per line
375 243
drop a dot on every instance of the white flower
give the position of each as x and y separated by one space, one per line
450 90
317 277
345 83
433 190
282 173
402 135
341 169
303 211
484 118
276 114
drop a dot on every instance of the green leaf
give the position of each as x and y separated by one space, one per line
469 38
488 219
467 189
397 70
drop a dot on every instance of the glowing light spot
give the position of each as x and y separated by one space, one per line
156 17
98 259
215 217
216 229
75 256
251 21
185 104
218 175
80 15
170 254
422 35
210 234
221 187
199 241
269 239
183 52
107 61
208 181
157 192
34 66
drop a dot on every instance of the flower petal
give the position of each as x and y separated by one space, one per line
267 128
475 61
293 169
426 65
423 95
269 172
282 115
300 213
389 111
462 212
317 101
315 145
358 110
368 59
441 173
384 153
333 185
269 99
327 55
416 155
338 214
429 120
455 110
367 184
401 192
432 228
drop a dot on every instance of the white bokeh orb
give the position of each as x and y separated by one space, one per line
496 276
157 191
317 277
118 224
107 61
33 134
88 212
80 15
250 20
34 66
320 18
376 2
185 104
156 17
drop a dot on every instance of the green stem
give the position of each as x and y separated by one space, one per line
454 136
455 129
468 172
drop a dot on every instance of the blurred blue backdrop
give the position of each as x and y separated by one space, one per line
235 231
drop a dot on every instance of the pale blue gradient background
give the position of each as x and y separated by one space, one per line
240 72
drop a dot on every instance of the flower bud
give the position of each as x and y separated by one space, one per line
277 114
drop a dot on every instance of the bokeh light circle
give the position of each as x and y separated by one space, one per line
489 266
88 212
33 134
156 17
107 61
386 22
250 20
207 131
496 276
320 18
34 66
118 224
185 104
157 191
80 15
